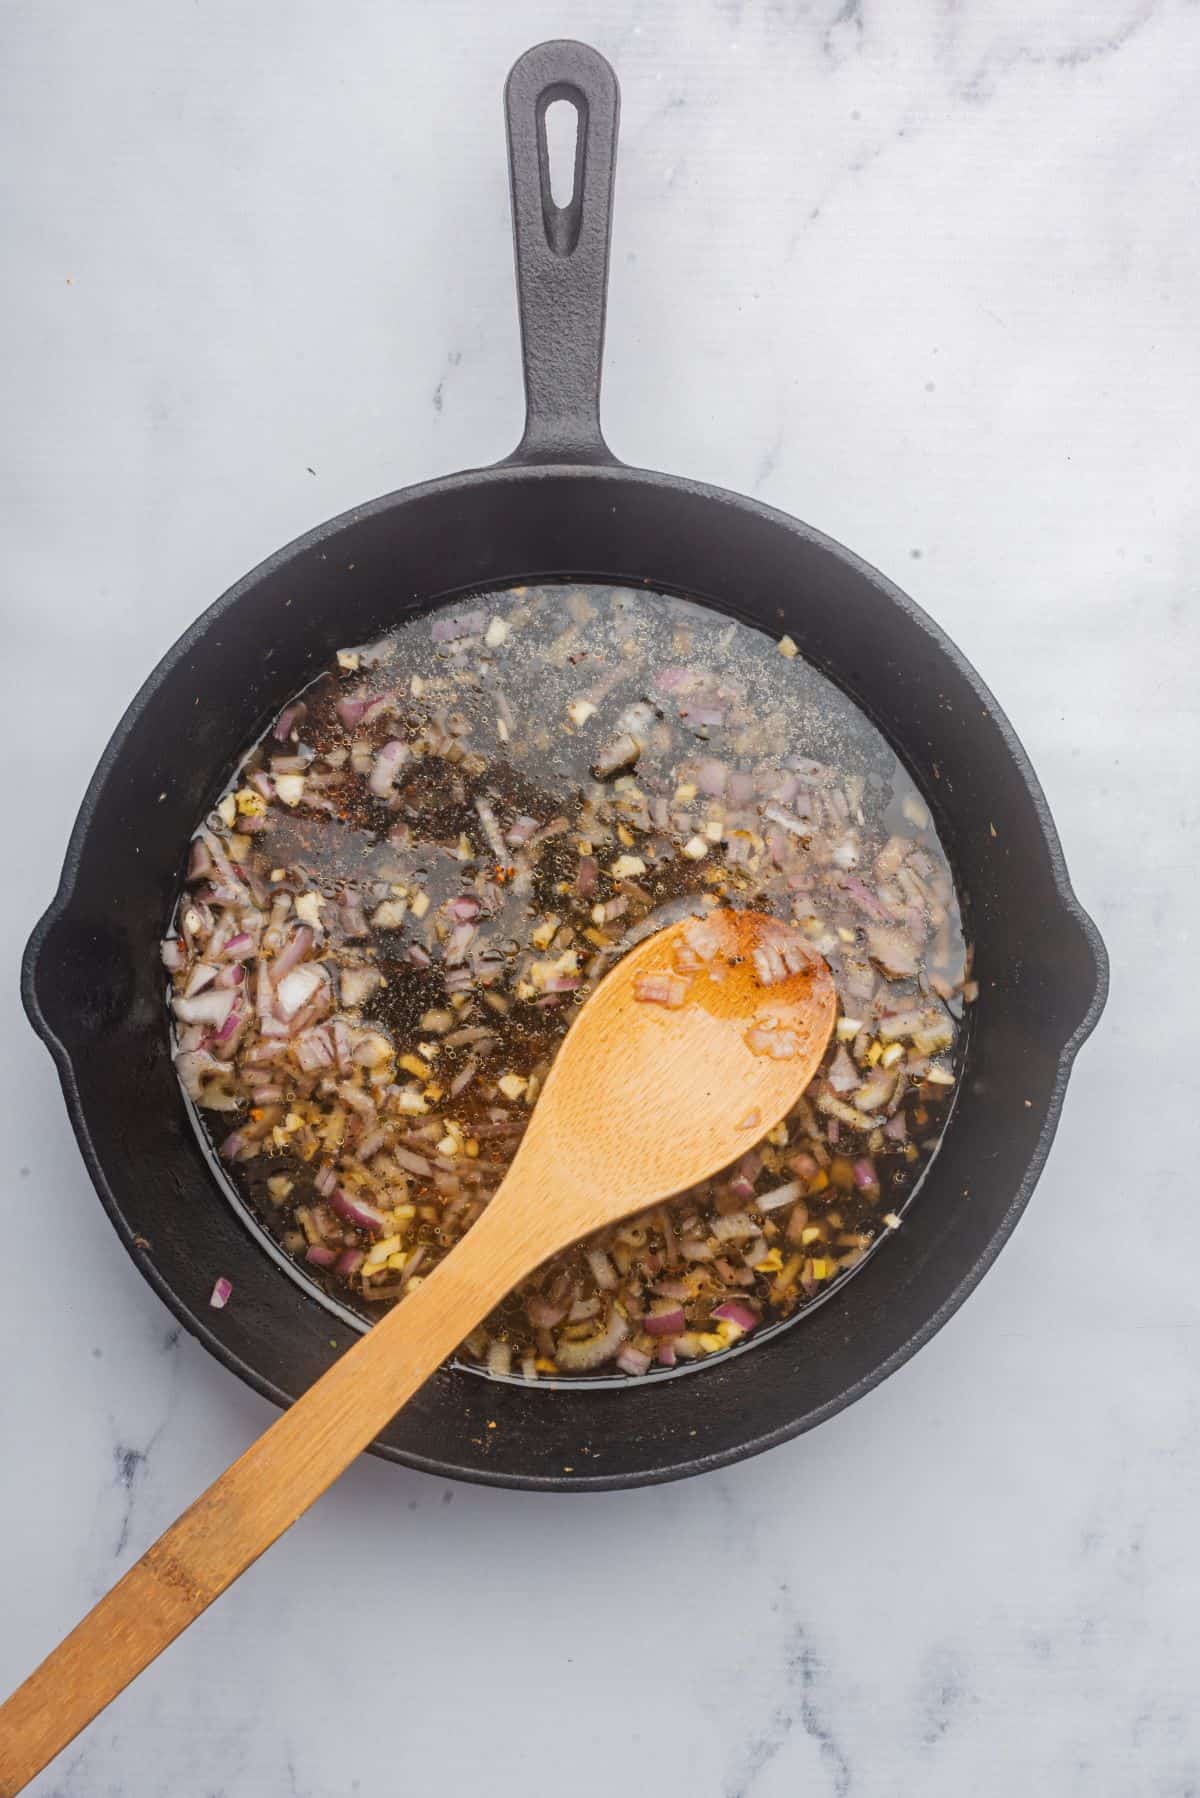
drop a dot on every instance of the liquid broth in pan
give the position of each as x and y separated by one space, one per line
433 855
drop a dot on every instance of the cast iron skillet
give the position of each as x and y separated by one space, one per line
561 505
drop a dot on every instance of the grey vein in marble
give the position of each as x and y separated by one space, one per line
805 1682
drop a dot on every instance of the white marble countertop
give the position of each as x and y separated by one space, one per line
926 275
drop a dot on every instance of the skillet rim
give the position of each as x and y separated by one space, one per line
467 481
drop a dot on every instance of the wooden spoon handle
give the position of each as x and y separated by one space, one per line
265 1490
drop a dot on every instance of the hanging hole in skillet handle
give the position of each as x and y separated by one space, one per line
562 219
562 148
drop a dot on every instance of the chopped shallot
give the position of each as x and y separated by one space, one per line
661 989
435 852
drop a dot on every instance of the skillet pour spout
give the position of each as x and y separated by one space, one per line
561 506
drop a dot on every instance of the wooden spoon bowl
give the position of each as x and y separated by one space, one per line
648 1097
692 1047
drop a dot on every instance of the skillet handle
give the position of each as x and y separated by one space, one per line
562 251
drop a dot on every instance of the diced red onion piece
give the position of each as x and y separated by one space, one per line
780 1045
463 1078
863 897
320 1256
357 1211
351 917
351 710
387 765
620 752
200 861
665 1323
661 989
839 1112
357 985
894 950
293 953
491 830
221 1293
212 1007
371 1050
465 624
769 966
204 1080
459 941
360 708
672 1289
633 1360
734 1312
359 1101
711 778
602 1270
593 1351
554 828
288 719
794 826
542 1314
733 1226
314 1049
779 1196
693 1250
708 937
295 990
754 1251
232 1024
414 1164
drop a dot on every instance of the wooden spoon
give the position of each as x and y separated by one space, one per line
644 1099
